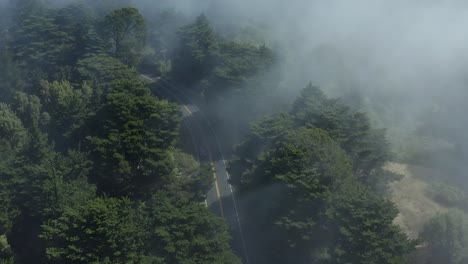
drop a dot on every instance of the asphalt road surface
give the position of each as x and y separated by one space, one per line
206 148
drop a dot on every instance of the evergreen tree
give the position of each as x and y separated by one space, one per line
362 228
103 230
126 30
187 233
134 134
241 65
41 48
68 108
315 165
367 147
198 52
100 71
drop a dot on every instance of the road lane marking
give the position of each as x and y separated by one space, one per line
217 189
188 110
224 163
148 78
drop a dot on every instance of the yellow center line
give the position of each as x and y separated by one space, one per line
217 189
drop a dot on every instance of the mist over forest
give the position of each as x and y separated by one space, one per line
220 131
403 62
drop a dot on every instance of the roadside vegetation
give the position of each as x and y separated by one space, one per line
95 167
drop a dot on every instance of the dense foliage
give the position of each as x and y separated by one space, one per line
94 169
309 178
446 236
90 169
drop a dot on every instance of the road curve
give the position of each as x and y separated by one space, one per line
220 198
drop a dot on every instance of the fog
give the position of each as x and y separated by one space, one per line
402 61
406 47
405 60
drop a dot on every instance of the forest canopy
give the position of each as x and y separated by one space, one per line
120 120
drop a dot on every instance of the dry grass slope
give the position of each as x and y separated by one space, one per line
410 196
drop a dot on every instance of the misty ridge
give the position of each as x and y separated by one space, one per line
220 131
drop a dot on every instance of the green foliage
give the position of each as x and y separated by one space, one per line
367 147
320 167
192 181
46 182
446 236
67 107
241 70
300 173
304 153
63 95
307 168
29 109
10 76
220 66
126 30
266 133
41 47
34 179
112 230
187 233
12 131
134 133
8 211
363 228
13 137
100 71
103 230
77 21
10 260
66 77
47 43
161 40
40 183
198 51
241 64
67 183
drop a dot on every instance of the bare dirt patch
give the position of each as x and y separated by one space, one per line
409 195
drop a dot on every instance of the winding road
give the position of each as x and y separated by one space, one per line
206 148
